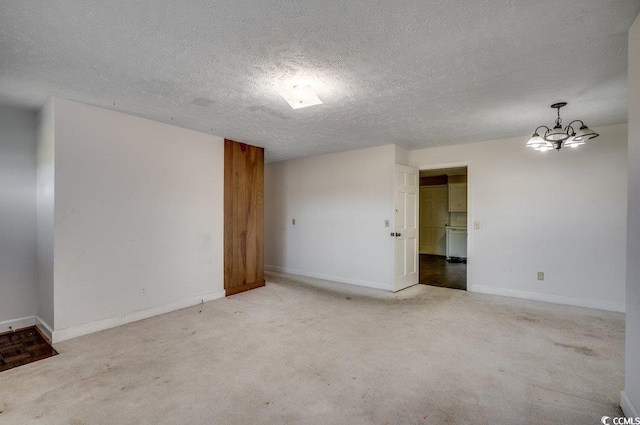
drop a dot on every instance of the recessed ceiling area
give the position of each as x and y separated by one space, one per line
416 73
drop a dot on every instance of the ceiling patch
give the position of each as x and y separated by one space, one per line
201 101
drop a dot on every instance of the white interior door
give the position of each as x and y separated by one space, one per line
406 227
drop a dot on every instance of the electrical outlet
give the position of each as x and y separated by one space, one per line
143 291
476 224
386 223
540 275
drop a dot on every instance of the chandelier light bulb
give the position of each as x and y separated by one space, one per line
536 141
585 133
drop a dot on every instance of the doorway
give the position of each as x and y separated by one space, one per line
443 227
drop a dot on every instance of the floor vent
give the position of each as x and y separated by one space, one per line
23 346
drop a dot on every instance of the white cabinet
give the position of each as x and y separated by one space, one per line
457 197
456 243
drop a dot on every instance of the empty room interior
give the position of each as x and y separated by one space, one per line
311 212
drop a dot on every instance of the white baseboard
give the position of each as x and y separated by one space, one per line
13 324
549 298
45 328
333 278
112 322
627 407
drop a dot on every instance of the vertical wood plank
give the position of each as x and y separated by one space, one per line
240 232
251 216
244 217
229 188
259 184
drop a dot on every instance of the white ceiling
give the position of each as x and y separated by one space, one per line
417 73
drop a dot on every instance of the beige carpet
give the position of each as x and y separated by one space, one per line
305 351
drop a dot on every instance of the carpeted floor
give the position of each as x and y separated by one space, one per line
305 351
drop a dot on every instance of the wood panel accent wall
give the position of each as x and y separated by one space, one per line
243 217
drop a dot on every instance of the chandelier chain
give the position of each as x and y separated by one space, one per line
558 120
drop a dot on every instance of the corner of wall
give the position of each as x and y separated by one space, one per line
45 187
402 155
627 407
44 327
630 397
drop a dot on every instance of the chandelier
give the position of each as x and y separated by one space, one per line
558 137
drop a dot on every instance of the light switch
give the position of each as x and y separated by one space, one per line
293 221
386 223
476 224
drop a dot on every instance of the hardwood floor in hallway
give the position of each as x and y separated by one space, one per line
435 270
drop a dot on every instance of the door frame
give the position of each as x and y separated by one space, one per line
470 229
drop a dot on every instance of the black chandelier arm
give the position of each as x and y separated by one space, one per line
570 127
542 126
580 121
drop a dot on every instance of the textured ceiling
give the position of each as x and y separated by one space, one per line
418 73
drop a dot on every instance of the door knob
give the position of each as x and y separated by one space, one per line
398 234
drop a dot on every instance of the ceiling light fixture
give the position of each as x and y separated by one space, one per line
301 96
558 137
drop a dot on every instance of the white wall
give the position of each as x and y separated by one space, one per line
340 203
18 281
45 210
630 399
138 204
563 213
402 155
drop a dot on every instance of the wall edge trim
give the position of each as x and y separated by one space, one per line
627 407
115 321
549 298
44 327
17 323
332 278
